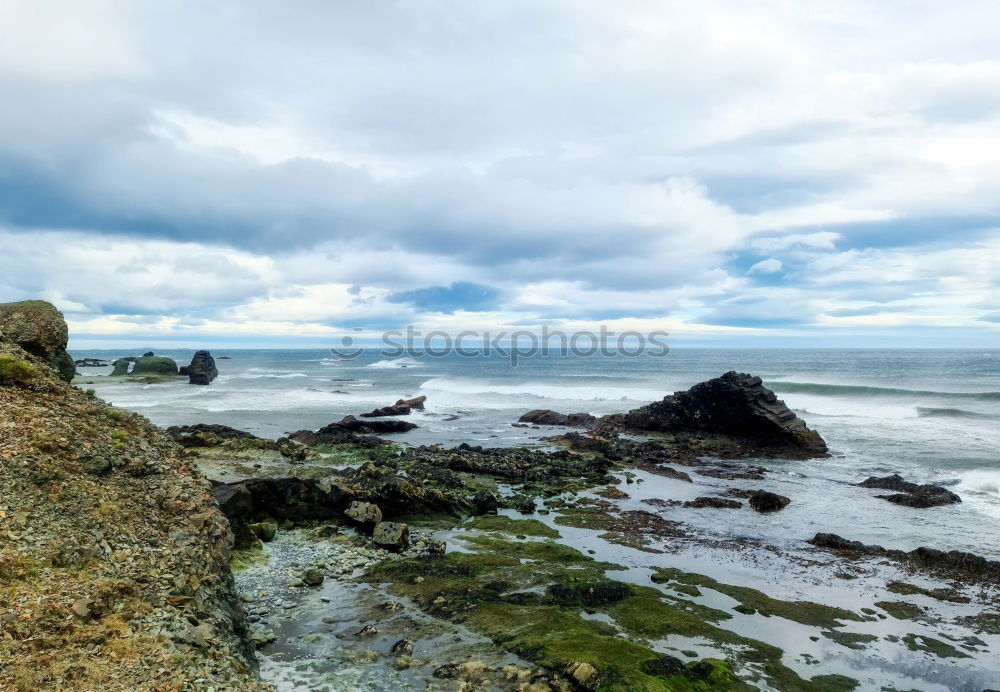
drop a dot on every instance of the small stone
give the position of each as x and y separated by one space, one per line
368 631
81 606
312 577
584 674
404 647
391 535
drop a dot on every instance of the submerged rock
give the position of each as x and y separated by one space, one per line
202 369
717 502
547 417
735 405
764 501
951 561
910 494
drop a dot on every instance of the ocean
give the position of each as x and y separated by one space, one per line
932 416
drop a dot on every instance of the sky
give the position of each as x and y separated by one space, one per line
769 173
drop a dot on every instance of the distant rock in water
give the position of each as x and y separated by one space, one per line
396 410
148 354
91 363
547 417
415 402
910 494
38 328
154 365
735 405
202 369
121 367
377 427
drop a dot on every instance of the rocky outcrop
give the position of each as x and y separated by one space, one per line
764 501
735 405
259 499
113 547
394 410
222 431
950 562
91 363
416 402
716 502
202 369
154 366
910 494
121 367
547 417
374 427
38 328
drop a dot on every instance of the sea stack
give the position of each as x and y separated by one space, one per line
202 369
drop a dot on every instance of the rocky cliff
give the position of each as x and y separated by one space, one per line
114 559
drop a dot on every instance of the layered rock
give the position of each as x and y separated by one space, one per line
735 405
202 369
38 328
115 558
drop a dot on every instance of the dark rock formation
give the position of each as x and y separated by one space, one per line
350 430
910 494
259 499
735 405
121 367
202 369
547 417
223 431
415 402
376 427
90 363
764 501
484 502
950 562
154 365
395 410
148 354
38 328
717 502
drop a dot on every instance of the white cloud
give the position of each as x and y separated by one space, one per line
767 266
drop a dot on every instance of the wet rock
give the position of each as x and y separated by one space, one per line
524 505
404 647
365 514
223 432
368 631
385 411
261 636
949 562
910 494
716 502
148 354
264 530
391 535
349 429
202 369
312 577
547 417
449 671
764 501
735 405
484 502
415 402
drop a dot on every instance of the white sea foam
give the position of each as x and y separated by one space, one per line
396 363
475 388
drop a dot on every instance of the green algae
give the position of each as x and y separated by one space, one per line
920 642
528 597
754 601
941 594
901 610
16 371
852 640
517 527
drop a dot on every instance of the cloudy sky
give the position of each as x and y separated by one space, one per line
271 173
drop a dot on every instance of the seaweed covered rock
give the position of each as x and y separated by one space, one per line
154 366
350 429
202 369
38 328
112 544
735 405
120 367
391 535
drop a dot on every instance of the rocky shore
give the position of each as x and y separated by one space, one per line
337 559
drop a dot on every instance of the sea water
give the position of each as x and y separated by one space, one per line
932 416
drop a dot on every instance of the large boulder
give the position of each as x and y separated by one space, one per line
38 328
911 494
202 369
735 405
154 365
